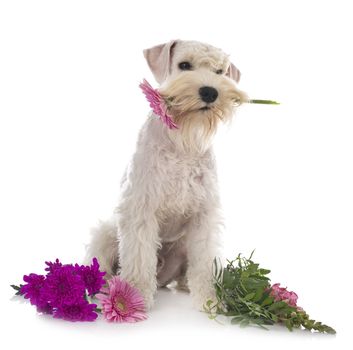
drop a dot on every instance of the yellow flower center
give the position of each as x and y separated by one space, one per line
120 305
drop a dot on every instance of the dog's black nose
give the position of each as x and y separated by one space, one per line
208 94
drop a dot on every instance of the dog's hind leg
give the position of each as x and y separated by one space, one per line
104 246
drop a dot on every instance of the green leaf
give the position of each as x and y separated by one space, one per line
270 321
236 319
227 279
231 313
253 267
274 318
258 295
277 305
209 303
260 322
308 324
249 296
289 325
245 322
267 301
217 269
17 288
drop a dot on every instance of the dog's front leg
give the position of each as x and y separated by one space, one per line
202 247
138 233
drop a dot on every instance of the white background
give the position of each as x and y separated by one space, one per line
70 111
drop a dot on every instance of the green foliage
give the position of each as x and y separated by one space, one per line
243 294
17 289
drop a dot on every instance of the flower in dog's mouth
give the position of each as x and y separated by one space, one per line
161 105
121 302
158 104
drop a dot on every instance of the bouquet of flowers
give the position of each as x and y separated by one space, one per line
245 294
67 291
243 291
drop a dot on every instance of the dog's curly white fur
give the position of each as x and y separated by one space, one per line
167 223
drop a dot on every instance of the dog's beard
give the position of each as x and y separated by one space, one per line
198 121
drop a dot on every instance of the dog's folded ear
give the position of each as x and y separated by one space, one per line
233 72
159 59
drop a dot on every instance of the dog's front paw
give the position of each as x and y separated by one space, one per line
149 300
200 300
147 291
208 304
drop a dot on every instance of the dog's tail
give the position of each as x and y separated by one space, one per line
104 246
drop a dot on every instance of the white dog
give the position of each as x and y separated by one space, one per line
166 225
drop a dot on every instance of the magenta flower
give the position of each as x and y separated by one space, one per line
157 104
63 291
63 286
121 302
92 277
52 266
33 290
78 311
282 294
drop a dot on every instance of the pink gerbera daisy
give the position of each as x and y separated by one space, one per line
157 104
121 302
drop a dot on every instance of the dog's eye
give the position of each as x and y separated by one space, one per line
219 71
185 65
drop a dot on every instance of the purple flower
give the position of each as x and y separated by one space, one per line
62 292
63 286
157 104
91 276
53 266
78 311
33 291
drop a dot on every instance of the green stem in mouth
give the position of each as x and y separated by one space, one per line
264 102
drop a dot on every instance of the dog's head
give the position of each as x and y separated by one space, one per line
199 83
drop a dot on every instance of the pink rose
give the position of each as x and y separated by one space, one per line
282 294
